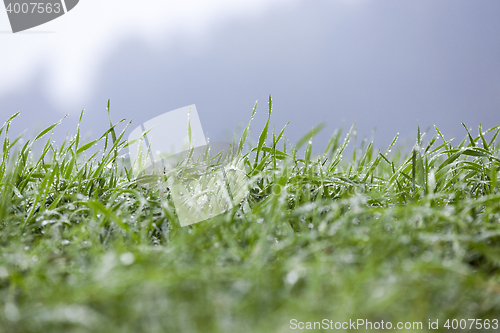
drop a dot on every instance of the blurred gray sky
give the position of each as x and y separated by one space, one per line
388 64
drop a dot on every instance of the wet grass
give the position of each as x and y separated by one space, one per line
377 235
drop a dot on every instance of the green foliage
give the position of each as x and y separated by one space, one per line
379 236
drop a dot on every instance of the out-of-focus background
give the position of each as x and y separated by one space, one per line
387 64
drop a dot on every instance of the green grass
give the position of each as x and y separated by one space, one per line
376 235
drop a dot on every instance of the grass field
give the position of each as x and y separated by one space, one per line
401 236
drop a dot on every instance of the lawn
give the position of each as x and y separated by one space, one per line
327 237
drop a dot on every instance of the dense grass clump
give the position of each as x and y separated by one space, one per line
399 237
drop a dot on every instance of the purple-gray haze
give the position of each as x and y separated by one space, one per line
387 64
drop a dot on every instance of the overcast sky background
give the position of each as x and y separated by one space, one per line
388 64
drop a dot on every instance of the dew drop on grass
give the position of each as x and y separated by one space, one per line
4 273
292 277
447 263
11 312
127 259
427 256
378 293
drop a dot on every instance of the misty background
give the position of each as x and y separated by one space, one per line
389 65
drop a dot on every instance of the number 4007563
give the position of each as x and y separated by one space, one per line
34 7
471 324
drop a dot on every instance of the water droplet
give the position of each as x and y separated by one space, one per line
127 259
292 277
379 292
